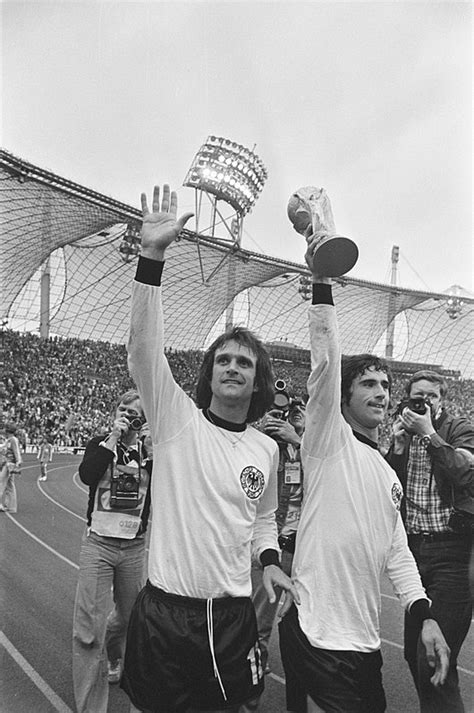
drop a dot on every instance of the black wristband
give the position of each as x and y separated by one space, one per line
322 294
421 610
149 271
269 557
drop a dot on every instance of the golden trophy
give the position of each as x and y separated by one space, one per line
310 206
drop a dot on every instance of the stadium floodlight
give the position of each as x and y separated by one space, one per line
130 245
454 308
229 171
306 287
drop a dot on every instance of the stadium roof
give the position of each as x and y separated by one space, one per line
46 216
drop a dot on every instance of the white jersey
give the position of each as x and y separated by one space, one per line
350 530
214 491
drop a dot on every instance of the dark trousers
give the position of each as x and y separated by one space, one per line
337 681
444 570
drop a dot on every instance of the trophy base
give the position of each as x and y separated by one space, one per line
336 255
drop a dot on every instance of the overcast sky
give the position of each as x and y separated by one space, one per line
370 100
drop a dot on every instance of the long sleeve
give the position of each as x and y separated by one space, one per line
95 462
265 529
163 401
454 466
402 570
326 430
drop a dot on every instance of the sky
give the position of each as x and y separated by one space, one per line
370 100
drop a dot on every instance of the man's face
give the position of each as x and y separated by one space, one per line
369 400
297 417
430 392
130 410
233 373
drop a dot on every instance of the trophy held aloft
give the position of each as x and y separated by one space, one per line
310 206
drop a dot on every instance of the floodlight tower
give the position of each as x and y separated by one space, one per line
455 303
223 170
227 172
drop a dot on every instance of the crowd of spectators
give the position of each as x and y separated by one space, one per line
67 388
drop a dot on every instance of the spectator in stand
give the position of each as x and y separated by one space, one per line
432 453
11 467
43 392
350 532
117 469
45 456
192 640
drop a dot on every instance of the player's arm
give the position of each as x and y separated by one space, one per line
325 426
404 576
147 363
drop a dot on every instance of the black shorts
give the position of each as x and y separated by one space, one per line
337 681
191 653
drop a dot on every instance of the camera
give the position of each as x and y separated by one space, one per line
417 405
282 401
124 487
287 542
135 423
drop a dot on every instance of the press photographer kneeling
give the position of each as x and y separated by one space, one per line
117 469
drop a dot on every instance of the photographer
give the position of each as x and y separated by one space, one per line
285 423
432 455
117 469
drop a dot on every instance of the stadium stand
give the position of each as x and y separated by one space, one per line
68 387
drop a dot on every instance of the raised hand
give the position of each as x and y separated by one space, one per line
400 436
278 428
160 226
312 241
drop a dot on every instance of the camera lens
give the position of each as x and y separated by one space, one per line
418 405
136 423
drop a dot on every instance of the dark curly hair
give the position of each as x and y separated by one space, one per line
262 398
354 365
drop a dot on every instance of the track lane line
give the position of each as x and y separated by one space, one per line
41 542
55 502
57 702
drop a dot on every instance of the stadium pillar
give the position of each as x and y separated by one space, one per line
392 305
44 301
45 285
237 235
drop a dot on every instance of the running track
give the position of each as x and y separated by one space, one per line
39 564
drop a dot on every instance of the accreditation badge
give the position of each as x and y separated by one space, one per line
293 473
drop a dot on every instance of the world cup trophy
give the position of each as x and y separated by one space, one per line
335 254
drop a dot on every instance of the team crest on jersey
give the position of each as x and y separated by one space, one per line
397 495
252 482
